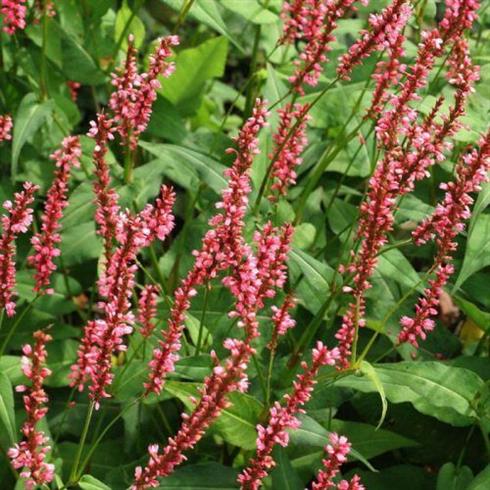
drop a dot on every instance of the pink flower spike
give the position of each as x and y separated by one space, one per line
5 128
17 221
14 15
282 320
148 309
443 226
284 417
30 454
45 241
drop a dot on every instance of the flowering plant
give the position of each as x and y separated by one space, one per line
244 244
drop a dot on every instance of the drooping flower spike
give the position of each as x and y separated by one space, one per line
16 221
282 320
221 247
250 283
337 452
30 454
147 309
5 128
46 240
447 221
135 93
284 417
13 15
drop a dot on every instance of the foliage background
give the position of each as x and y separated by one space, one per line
435 430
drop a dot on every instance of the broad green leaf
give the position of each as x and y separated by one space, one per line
29 118
452 478
135 27
314 287
61 355
370 372
399 477
236 423
434 389
481 481
251 10
178 162
193 67
304 236
284 476
79 244
393 265
312 434
206 476
207 12
368 440
481 318
166 122
88 482
477 254
7 415
80 207
78 65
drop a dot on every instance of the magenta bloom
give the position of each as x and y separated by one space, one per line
135 93
282 320
30 454
5 128
288 147
147 306
14 15
283 417
337 452
106 198
17 221
45 241
221 248
385 29
444 225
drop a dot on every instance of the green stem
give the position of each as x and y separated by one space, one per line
43 82
203 317
253 67
128 165
260 376
269 377
26 310
183 14
74 470
158 272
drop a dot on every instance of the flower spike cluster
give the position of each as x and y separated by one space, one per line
250 283
135 93
104 336
283 417
288 147
5 128
282 320
444 225
220 248
385 31
337 452
17 221
45 241
14 15
30 454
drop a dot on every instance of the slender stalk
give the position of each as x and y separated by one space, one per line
260 375
253 67
269 377
183 14
203 317
43 82
81 445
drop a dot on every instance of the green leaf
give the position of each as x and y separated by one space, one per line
7 415
477 254
236 424
10 367
369 440
370 372
251 10
179 163
88 482
434 389
284 476
193 67
207 12
481 481
316 276
78 65
29 118
79 244
452 478
206 476
136 27
481 318
393 265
